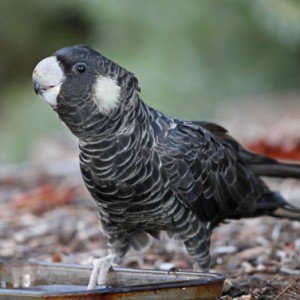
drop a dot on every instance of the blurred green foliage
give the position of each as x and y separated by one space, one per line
188 55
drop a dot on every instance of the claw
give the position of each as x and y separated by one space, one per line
172 270
100 270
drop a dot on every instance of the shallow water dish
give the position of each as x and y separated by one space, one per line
26 280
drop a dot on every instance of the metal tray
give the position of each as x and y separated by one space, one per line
28 280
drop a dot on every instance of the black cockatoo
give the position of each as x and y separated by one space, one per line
149 172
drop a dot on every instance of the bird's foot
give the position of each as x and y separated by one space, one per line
172 270
100 270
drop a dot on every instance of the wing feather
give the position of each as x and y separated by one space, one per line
205 173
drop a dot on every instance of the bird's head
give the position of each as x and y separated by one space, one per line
78 82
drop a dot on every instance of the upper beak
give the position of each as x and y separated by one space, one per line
47 79
36 86
47 74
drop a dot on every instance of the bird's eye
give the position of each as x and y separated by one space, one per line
81 68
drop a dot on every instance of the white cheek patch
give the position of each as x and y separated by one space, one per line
106 94
50 95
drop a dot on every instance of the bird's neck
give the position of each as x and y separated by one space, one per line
90 125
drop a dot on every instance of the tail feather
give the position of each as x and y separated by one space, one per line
285 216
265 166
275 205
289 207
276 169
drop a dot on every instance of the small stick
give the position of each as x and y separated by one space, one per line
282 292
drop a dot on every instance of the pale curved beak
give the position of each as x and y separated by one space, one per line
47 79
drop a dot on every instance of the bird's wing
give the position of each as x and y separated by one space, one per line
205 173
259 164
227 140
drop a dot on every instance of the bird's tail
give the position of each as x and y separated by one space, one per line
276 169
273 203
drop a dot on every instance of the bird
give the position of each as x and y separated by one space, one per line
149 172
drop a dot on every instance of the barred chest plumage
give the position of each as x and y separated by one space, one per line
123 173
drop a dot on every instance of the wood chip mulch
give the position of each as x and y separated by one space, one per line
46 214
